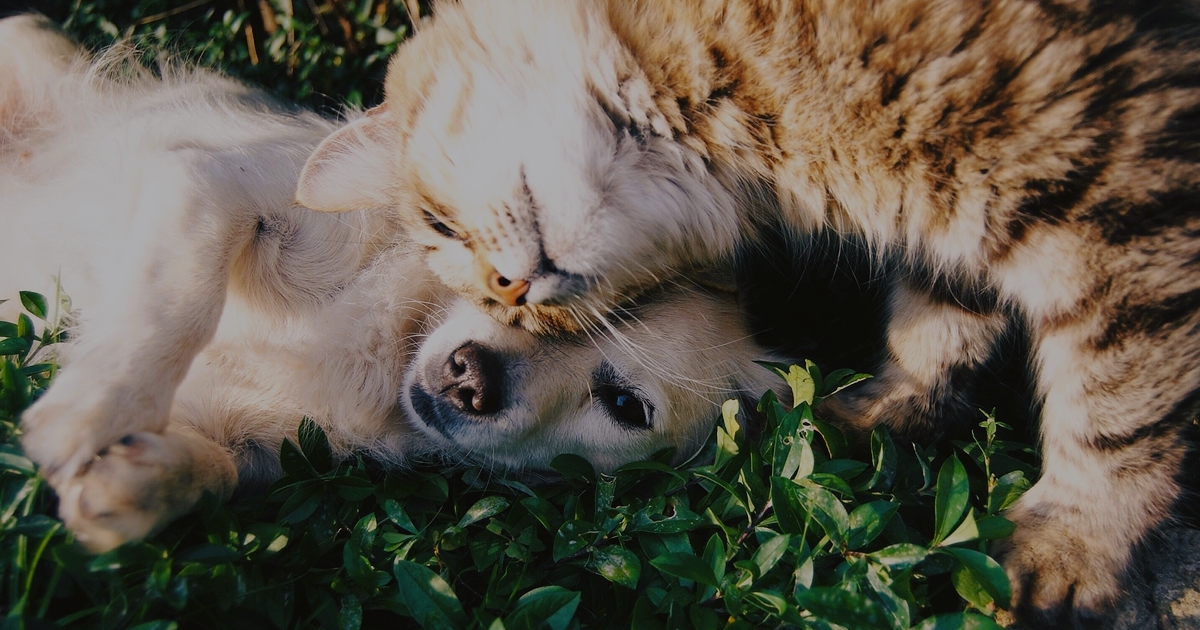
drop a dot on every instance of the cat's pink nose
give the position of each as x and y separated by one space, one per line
509 292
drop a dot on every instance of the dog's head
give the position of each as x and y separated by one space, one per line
652 379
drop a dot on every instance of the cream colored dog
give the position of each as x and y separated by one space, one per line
210 313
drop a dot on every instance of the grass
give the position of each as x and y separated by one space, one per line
786 530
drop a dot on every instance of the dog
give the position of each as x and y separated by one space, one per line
209 312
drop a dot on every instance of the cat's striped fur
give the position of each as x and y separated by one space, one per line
1021 159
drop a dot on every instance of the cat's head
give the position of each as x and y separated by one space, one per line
524 152
652 378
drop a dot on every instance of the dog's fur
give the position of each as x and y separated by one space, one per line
209 312
1012 161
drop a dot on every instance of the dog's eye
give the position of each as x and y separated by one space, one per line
625 407
441 228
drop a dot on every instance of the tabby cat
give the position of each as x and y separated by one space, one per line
1019 160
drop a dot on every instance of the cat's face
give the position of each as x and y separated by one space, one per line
500 396
539 179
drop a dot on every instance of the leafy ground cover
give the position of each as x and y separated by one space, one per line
786 529
322 53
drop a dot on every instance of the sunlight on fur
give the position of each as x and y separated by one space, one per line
211 313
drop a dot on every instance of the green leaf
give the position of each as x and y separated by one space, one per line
966 531
617 565
428 597
16 463
884 458
853 611
553 606
358 565
801 383
161 624
770 552
35 303
953 489
994 527
685 566
901 556
486 507
397 515
824 508
788 441
14 345
653 466
789 511
727 435
958 621
714 555
572 466
977 573
868 521
350 616
544 512
1008 489
683 520
835 440
850 380
881 590
573 537
293 461
315 445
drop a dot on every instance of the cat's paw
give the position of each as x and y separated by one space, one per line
137 485
1061 576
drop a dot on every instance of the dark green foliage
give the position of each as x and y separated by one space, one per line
321 53
789 530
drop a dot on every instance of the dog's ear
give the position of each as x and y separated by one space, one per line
352 168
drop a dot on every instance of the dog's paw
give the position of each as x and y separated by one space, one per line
139 484
64 430
1061 576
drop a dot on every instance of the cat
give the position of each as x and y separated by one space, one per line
209 313
1007 161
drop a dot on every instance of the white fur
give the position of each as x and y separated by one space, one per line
210 313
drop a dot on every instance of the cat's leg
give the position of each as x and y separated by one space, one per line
1119 386
134 487
934 348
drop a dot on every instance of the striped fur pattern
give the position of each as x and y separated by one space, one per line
1018 159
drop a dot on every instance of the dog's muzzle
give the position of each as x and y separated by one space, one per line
469 388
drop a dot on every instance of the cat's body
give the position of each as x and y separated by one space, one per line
1015 160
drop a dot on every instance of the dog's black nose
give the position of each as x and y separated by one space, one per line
473 379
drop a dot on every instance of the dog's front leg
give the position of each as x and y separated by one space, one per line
163 296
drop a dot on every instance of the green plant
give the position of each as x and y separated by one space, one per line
784 530
320 53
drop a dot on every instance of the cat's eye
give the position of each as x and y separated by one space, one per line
624 406
440 227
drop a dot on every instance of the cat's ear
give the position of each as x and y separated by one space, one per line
352 168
